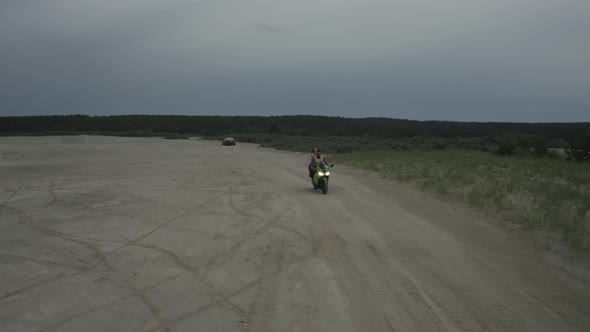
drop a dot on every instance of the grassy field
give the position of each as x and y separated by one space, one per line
535 193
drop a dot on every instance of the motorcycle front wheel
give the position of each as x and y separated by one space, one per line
324 186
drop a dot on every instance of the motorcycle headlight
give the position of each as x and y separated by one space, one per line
327 173
321 173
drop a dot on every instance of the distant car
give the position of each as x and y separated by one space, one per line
228 141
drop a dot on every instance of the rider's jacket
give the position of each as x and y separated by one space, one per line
316 161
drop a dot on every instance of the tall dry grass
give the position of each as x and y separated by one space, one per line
536 193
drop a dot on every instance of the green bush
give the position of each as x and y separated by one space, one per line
540 148
580 147
507 147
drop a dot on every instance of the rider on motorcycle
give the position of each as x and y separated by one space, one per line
316 159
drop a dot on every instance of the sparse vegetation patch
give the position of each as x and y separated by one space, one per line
534 193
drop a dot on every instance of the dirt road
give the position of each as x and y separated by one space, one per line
125 234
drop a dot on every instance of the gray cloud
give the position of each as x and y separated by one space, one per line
421 59
265 27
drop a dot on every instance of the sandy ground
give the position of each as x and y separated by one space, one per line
136 234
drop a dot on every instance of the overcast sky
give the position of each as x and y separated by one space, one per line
468 60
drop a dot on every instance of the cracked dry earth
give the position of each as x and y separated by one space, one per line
139 234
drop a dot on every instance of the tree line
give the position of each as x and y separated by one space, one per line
301 125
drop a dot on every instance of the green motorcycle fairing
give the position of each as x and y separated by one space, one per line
322 172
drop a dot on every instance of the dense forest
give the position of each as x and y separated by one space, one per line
301 125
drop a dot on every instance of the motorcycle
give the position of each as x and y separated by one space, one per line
321 177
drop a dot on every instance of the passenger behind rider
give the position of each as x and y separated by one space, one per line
310 165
